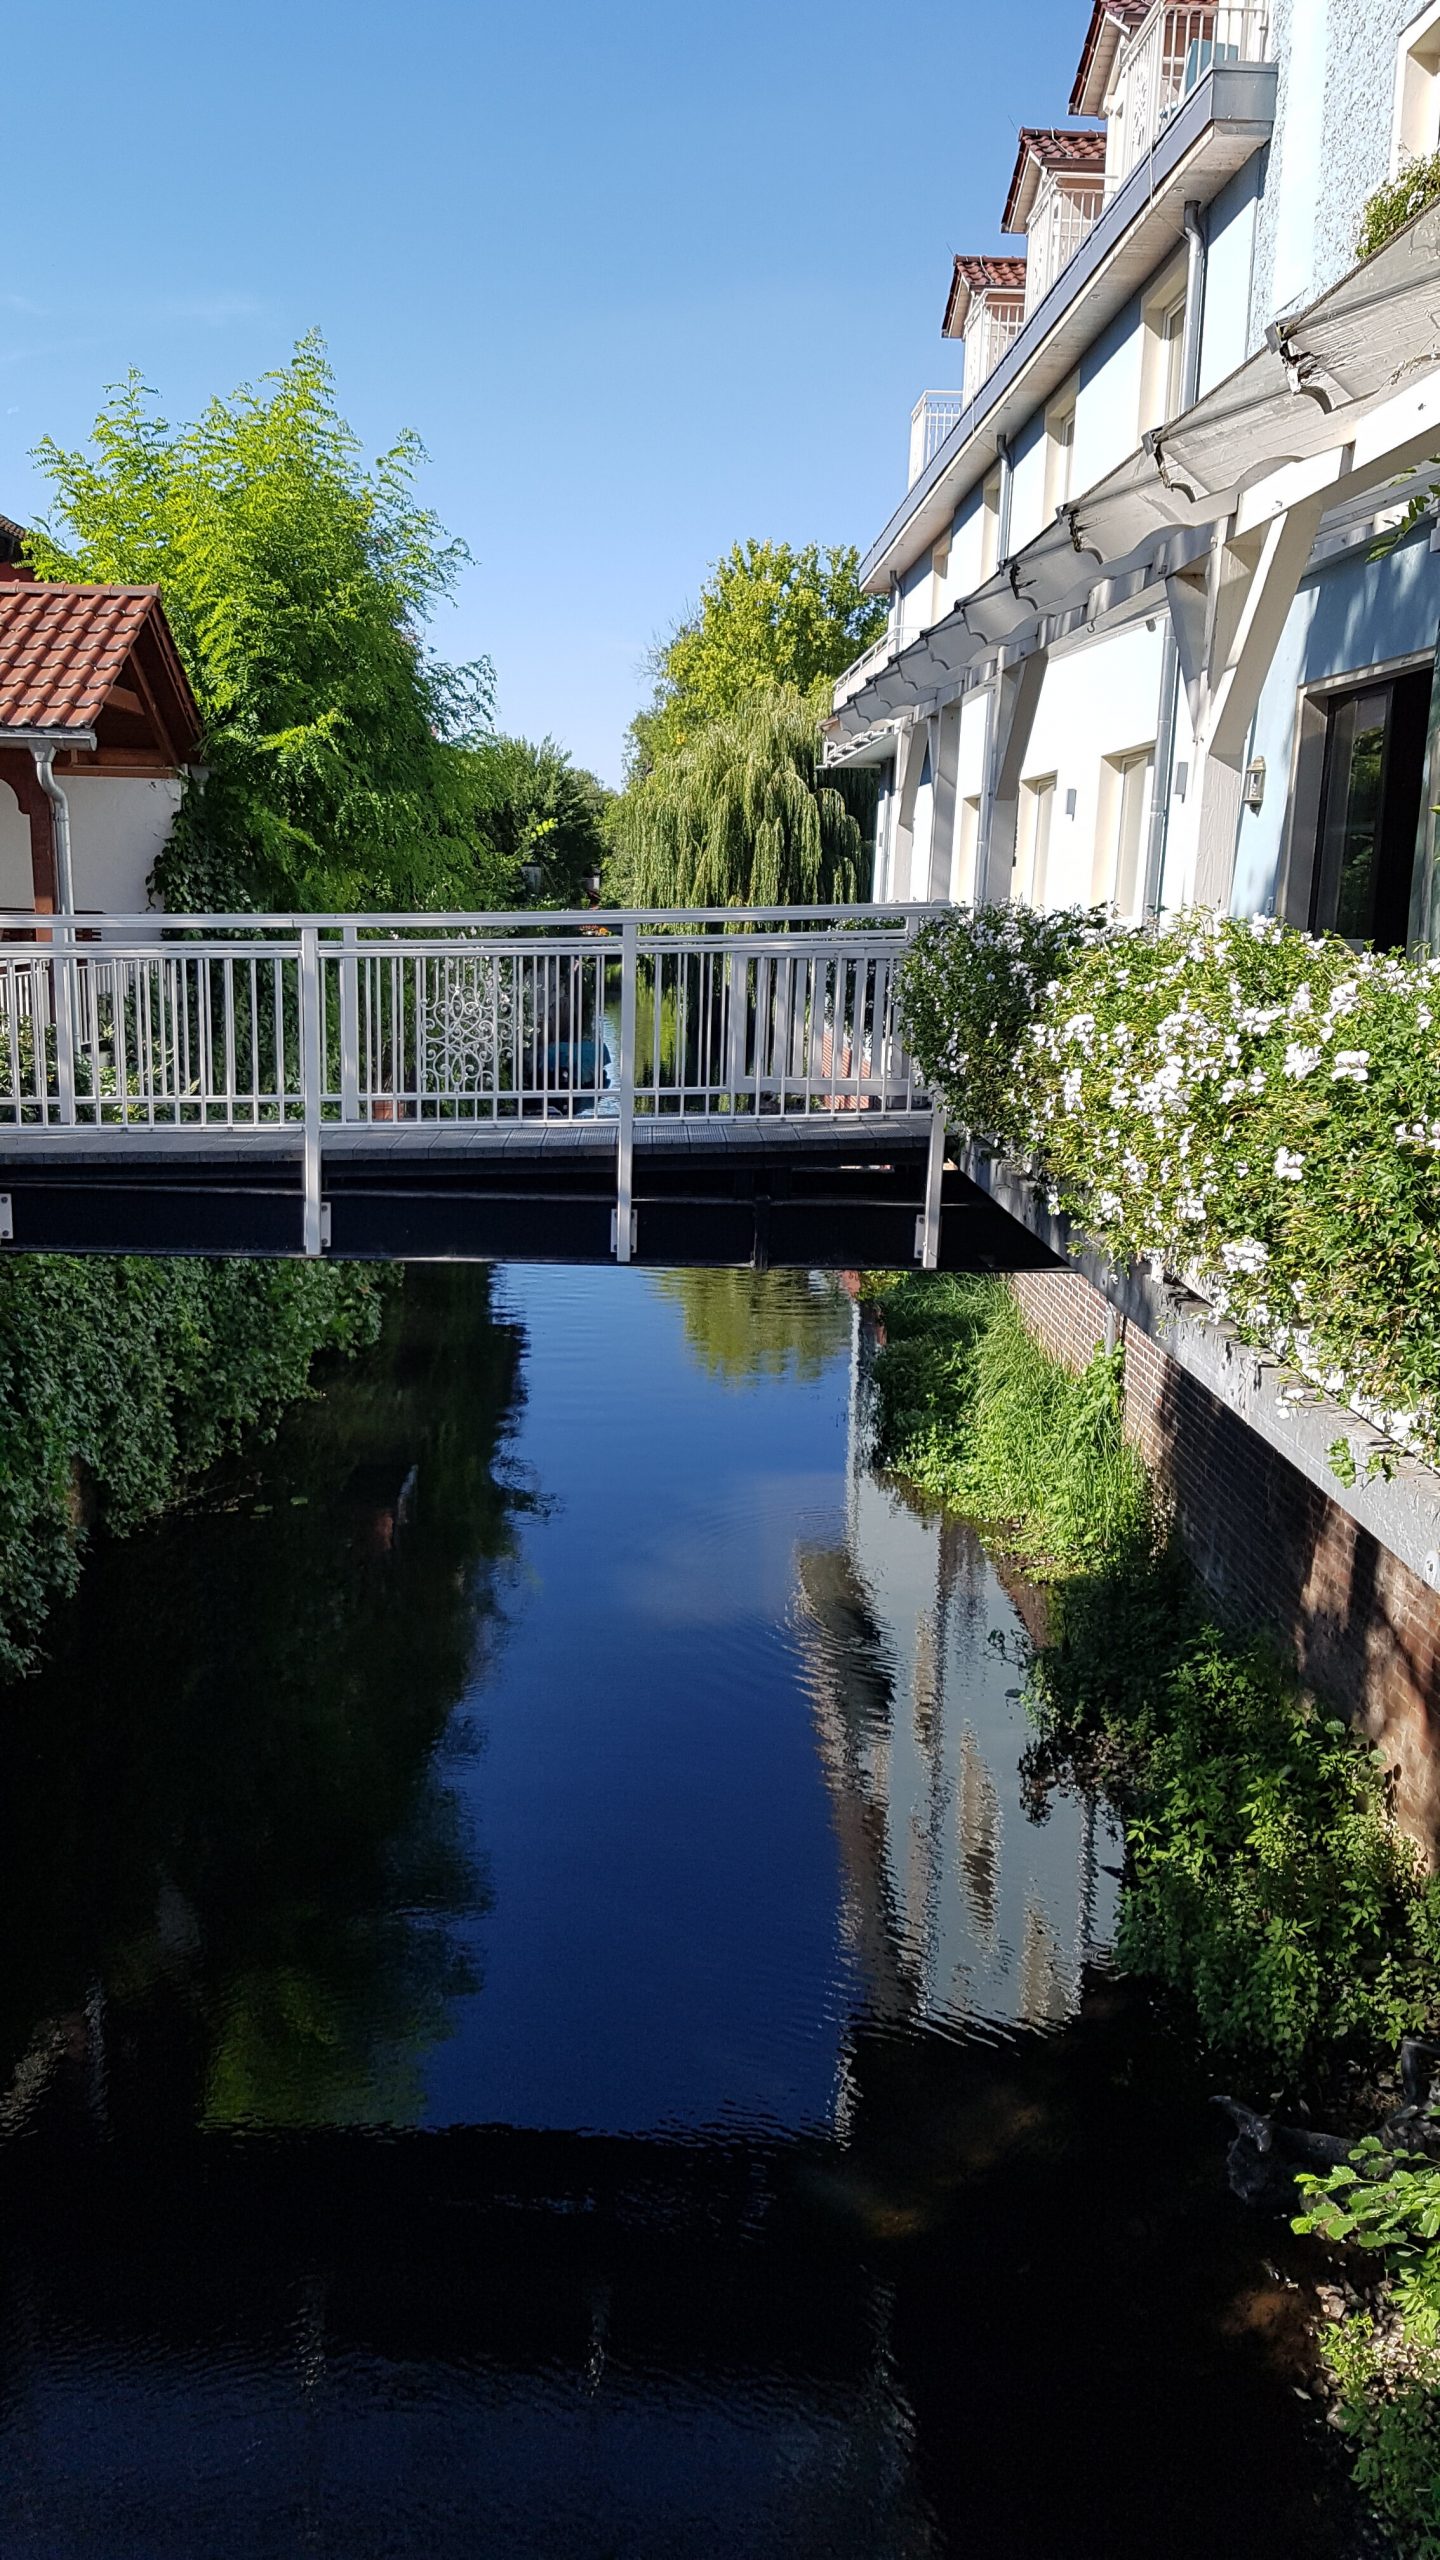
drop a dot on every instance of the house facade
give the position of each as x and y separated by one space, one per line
1146 644
98 727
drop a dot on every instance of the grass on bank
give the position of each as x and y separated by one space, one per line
1266 1882
1266 1885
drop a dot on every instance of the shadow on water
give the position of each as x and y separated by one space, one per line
255 1825
227 1845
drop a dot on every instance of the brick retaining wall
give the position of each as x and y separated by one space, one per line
1271 1549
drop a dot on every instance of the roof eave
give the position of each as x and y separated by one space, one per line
1234 102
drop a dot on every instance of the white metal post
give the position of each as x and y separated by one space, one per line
62 981
927 1225
310 1074
349 1026
625 1132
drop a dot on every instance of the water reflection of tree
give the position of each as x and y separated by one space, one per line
758 1324
226 1826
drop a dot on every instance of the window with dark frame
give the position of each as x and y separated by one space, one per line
1376 741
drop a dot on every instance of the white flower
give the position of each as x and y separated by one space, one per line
1300 1062
1248 1255
1288 1166
1352 1066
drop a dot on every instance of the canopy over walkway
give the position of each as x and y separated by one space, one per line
719 1087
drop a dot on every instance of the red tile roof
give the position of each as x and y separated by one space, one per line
1111 21
62 648
974 276
1076 154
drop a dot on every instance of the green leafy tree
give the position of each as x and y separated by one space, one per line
740 817
298 582
534 804
769 615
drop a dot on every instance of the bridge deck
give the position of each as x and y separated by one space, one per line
726 1088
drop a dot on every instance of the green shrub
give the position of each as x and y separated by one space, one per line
975 981
976 1415
1255 1109
1386 2369
1398 202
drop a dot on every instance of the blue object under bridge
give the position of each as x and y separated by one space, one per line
717 1086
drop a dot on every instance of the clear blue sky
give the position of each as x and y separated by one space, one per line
644 279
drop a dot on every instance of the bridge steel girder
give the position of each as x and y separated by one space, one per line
797 1208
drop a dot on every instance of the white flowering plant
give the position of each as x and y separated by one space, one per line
975 982
1250 1108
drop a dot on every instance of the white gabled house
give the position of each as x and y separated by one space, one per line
1141 647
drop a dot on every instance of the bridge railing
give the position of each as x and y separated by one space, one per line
375 1026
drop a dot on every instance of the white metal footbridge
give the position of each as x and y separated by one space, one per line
710 1086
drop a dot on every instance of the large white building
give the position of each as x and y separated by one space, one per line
1141 647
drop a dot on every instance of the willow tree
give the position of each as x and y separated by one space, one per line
741 816
768 615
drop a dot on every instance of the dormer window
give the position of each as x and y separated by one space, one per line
1055 198
987 309
1141 62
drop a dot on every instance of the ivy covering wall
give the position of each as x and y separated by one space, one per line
121 1379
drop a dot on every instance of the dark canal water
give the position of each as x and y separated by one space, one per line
533 2019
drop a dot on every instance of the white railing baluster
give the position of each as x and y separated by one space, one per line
243 1026
625 1127
312 1053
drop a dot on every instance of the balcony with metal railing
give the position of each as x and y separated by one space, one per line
995 325
1165 59
1063 216
931 419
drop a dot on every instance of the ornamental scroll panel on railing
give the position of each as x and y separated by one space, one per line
328 1031
167 1026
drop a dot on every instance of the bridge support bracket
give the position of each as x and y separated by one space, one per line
927 1225
7 1218
633 1223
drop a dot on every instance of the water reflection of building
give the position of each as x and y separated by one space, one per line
956 1906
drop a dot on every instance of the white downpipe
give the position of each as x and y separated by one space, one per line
62 969
64 867
1164 785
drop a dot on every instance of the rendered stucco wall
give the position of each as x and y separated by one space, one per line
1098 701
17 881
1107 411
966 543
1230 247
118 824
1334 113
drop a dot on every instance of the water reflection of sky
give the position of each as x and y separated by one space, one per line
749 1763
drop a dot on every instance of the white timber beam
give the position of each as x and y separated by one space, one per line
1401 433
1015 701
1233 692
